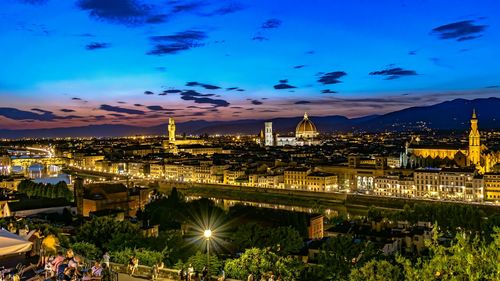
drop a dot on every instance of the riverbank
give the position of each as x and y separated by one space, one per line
342 203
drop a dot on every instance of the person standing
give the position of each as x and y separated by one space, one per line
204 274
105 258
190 271
181 274
135 262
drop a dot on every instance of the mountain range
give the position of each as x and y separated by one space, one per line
448 115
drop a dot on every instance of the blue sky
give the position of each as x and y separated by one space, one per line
81 62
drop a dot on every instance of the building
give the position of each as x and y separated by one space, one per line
460 184
231 176
93 198
303 178
306 130
315 227
305 134
268 134
171 130
492 187
474 154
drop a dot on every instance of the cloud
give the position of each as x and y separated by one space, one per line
302 102
394 73
283 85
206 86
187 7
412 53
121 102
180 41
271 23
256 102
328 91
34 2
86 35
203 98
227 9
17 114
172 91
155 19
76 98
66 110
299 66
118 109
138 104
117 115
148 93
460 31
41 110
97 45
161 68
128 12
331 77
260 38
158 108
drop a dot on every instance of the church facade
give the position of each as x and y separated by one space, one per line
474 154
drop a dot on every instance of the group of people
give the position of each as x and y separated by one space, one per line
192 275
69 267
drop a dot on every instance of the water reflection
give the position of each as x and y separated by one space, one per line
228 203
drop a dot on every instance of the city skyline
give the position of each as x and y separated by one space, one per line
77 63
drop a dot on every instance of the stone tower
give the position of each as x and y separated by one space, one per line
474 141
268 134
171 130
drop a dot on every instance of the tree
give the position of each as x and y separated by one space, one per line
248 235
282 240
146 257
255 260
260 262
376 270
199 261
102 230
88 250
285 240
340 254
468 258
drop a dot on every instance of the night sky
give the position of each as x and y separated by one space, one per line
81 62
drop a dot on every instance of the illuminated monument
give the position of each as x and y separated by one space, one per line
171 130
306 130
305 134
172 144
474 154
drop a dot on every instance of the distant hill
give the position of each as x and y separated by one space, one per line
454 115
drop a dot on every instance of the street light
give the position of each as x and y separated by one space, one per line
208 233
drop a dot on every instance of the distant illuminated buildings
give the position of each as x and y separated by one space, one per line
475 154
305 134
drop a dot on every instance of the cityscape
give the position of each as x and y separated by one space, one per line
327 140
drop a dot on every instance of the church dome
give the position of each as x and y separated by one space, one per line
306 128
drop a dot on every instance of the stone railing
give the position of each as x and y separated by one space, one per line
147 272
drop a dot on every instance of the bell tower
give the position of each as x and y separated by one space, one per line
171 130
474 141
